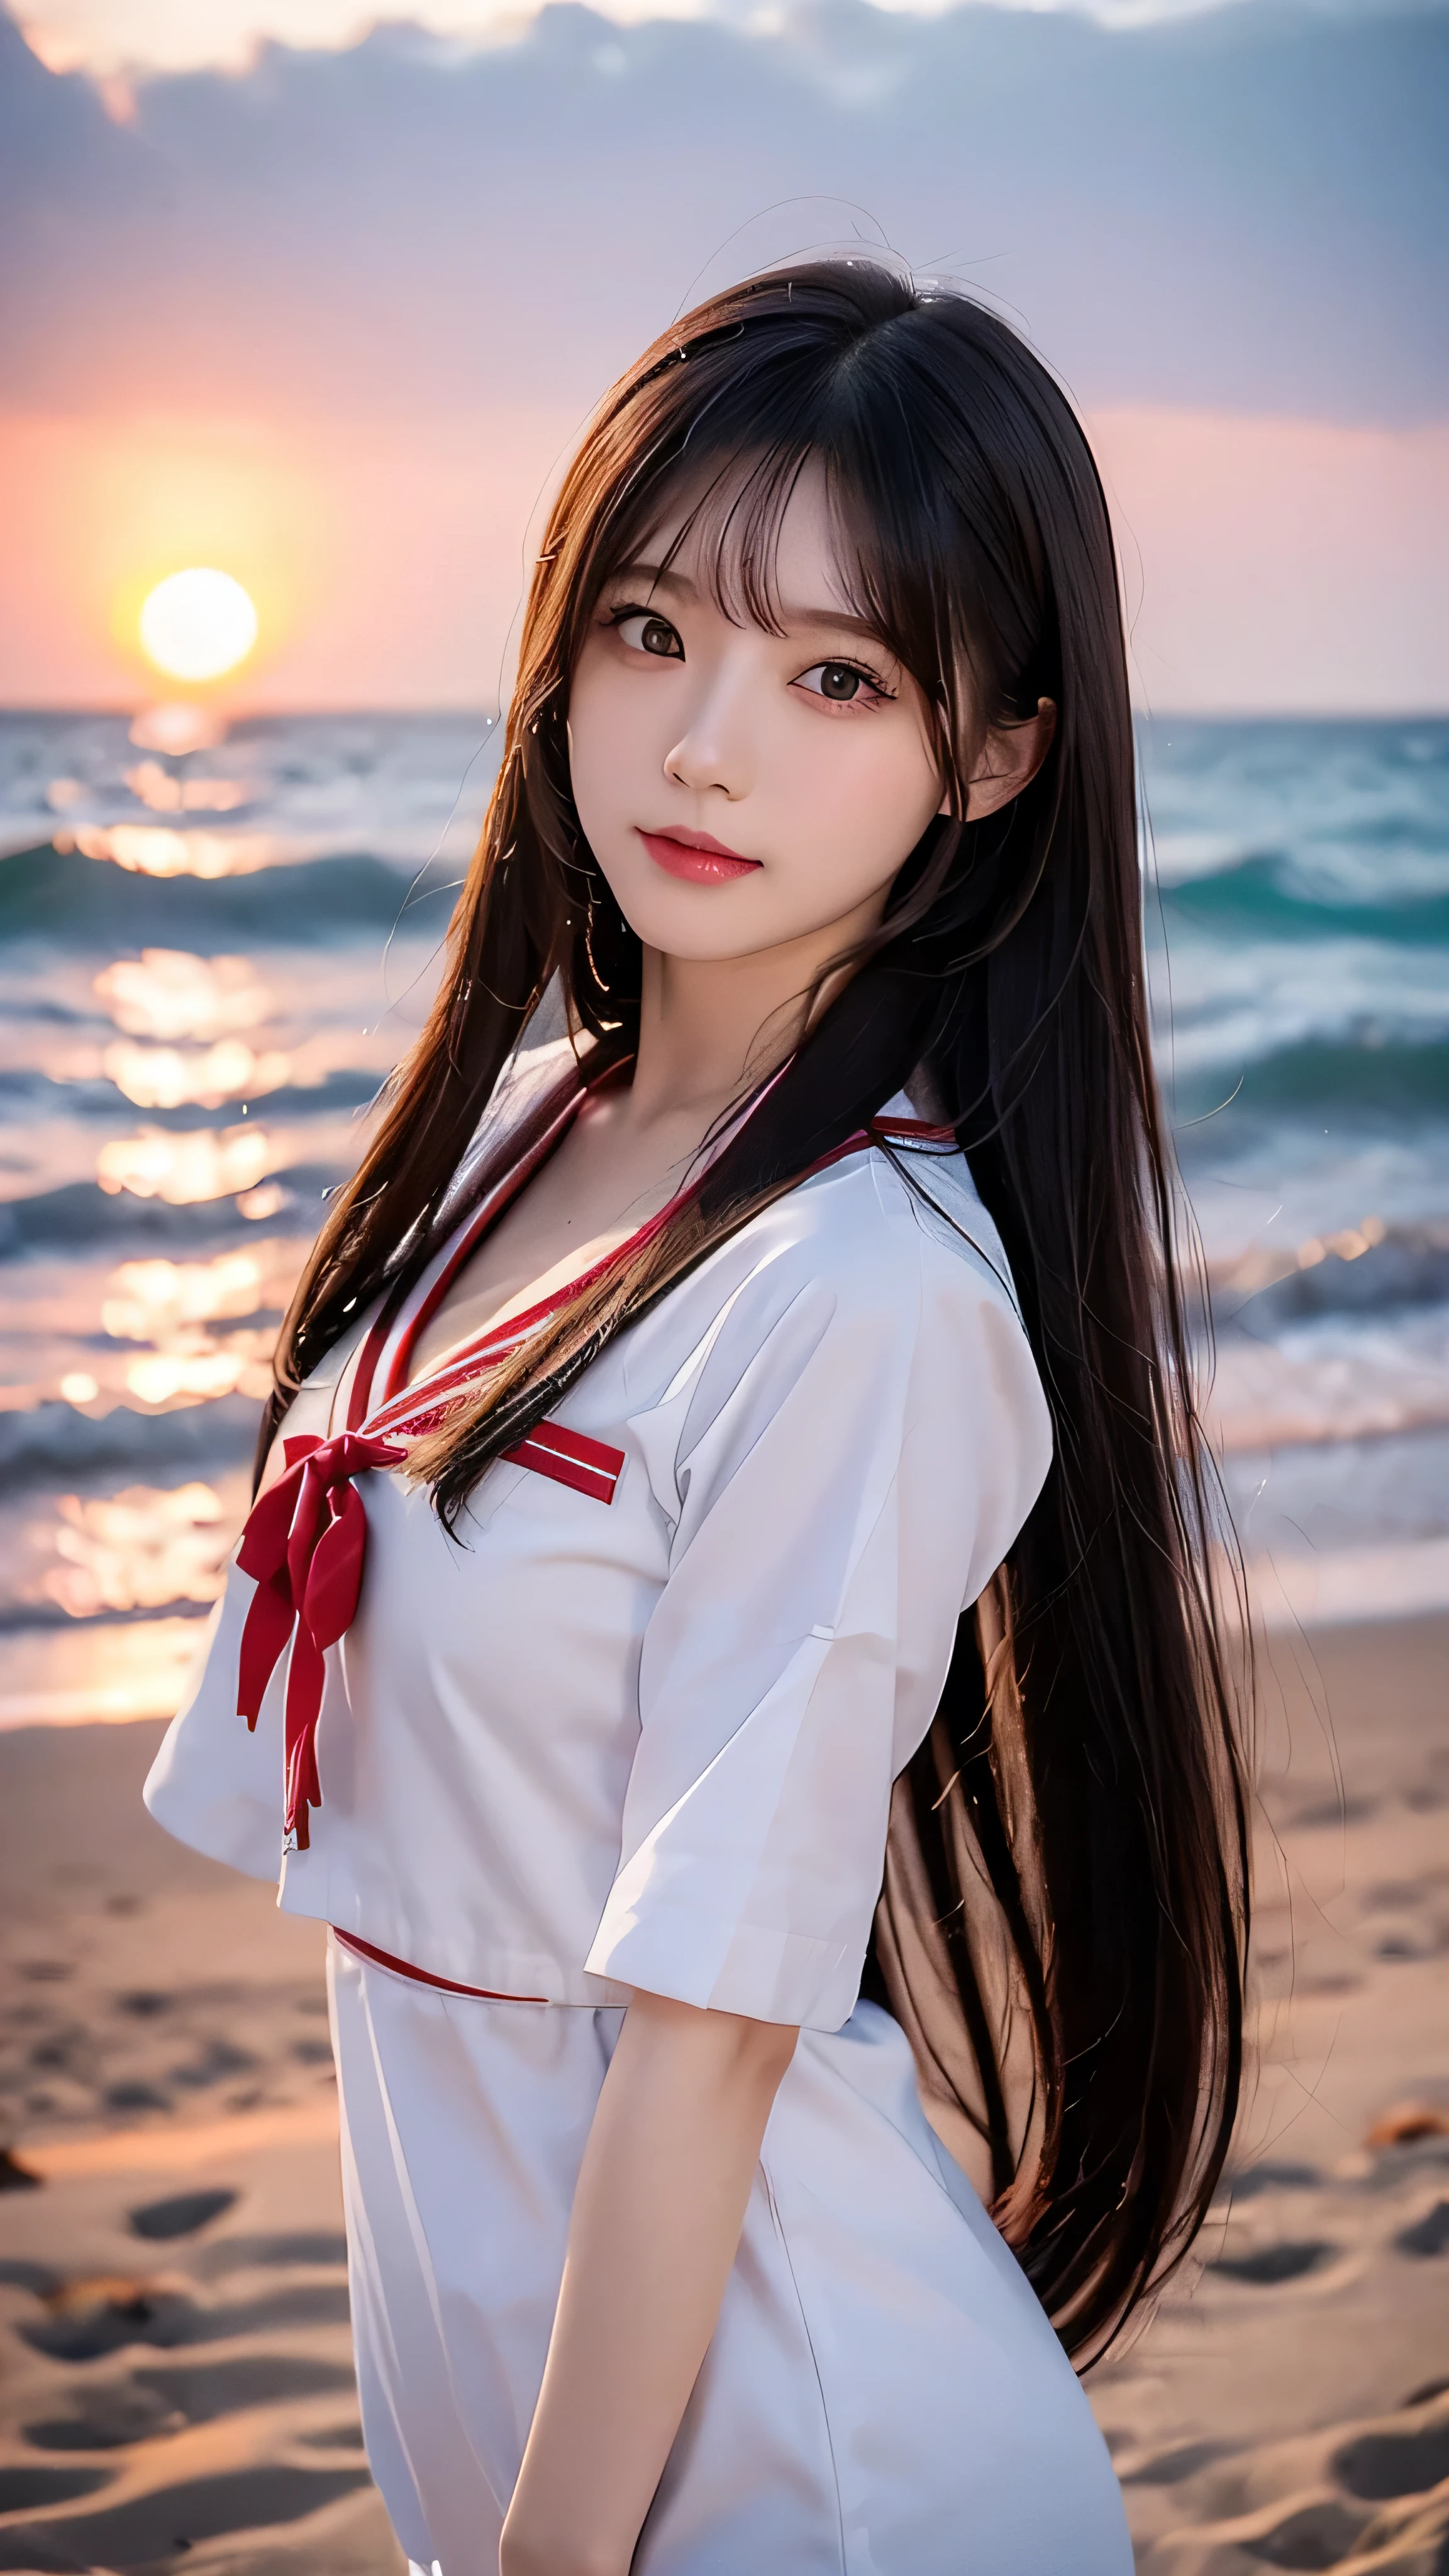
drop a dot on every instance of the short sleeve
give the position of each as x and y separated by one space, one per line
858 1449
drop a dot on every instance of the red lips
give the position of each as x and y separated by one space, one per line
696 857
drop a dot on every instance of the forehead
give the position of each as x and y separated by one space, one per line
762 542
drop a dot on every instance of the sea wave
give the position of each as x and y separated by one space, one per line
53 1441
1369 1268
1373 1078
1270 894
67 900
1358 813
81 1217
1266 1396
177 1025
33 1096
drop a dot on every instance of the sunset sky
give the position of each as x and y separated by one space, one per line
325 308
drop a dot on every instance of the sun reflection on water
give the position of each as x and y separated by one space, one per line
164 1078
238 1365
138 1550
258 1205
168 1304
185 1170
153 850
168 993
153 1297
164 793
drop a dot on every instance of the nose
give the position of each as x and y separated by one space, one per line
714 753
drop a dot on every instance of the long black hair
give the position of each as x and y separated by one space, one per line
1063 1919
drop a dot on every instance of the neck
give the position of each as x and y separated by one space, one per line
711 1028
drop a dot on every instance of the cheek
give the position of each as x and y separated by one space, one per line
617 737
863 798
593 740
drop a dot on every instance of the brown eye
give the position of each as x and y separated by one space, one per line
643 632
844 684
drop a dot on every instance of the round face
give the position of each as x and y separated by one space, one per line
740 789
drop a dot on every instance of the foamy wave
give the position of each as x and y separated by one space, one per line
1218 887
1351 1269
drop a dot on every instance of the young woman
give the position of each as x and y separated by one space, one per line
725 1629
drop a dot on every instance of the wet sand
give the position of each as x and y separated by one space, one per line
176 2386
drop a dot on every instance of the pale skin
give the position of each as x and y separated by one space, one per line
809 753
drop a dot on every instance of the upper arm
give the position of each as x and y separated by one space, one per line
853 1464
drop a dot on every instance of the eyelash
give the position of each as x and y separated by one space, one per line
628 608
635 608
859 670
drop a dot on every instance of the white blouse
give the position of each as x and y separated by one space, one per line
649 1741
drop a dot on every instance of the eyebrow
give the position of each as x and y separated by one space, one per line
664 577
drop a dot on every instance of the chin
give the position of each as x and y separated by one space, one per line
701 923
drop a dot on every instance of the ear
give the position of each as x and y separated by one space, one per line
1012 756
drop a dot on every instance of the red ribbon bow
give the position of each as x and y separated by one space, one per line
305 1545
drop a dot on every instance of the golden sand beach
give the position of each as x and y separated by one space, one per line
176 2382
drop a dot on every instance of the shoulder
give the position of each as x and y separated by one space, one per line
853 1335
883 1265
895 1231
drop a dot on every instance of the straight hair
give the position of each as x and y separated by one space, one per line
1063 1920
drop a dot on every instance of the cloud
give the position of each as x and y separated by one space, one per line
1240 211
121 37
331 321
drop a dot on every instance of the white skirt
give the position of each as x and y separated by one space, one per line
883 2395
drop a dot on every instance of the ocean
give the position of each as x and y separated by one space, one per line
215 944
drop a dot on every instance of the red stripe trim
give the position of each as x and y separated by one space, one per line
487 1216
915 1131
368 1357
906 1131
421 1976
501 1339
570 1458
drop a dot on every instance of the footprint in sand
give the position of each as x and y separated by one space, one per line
154 2527
161 2400
88 2319
184 2214
150 2463
27 2490
1429 2235
1356 2498
1394 2462
1271 2264
1256 2179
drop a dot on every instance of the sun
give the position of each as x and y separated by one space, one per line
198 624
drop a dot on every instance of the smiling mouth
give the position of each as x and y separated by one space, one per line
696 857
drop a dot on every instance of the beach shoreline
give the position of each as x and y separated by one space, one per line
172 2284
